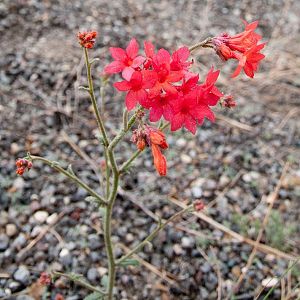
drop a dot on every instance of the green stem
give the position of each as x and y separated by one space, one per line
204 44
73 177
152 235
76 278
122 133
127 163
107 225
107 175
93 99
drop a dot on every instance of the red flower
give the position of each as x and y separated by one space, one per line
45 279
160 106
157 137
165 77
243 47
160 161
179 59
249 61
126 61
158 142
208 93
87 38
136 87
23 164
149 136
192 105
149 51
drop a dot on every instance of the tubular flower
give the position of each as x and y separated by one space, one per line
125 61
158 142
87 39
23 164
154 138
249 61
243 47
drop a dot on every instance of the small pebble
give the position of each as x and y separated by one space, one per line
41 216
269 282
11 229
22 275
4 241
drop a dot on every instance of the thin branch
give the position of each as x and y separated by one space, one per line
93 99
73 177
261 247
160 226
76 278
204 44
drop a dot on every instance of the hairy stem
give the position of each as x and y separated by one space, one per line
107 225
152 235
128 162
204 44
73 177
76 278
93 99
122 133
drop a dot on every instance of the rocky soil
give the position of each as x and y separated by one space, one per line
232 166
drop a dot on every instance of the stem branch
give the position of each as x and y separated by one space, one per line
76 278
150 237
73 177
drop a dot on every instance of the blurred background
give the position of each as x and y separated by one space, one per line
233 165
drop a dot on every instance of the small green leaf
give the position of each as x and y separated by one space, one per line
104 281
129 262
94 296
70 170
91 199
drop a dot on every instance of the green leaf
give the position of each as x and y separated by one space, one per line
129 262
70 170
94 296
104 281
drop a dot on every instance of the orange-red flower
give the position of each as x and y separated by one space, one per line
23 164
87 38
243 46
154 138
158 142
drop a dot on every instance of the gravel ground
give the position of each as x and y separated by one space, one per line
232 169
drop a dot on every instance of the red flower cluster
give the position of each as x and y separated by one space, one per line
23 164
45 279
154 138
162 83
87 39
243 46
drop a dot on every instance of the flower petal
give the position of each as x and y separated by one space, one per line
177 121
131 100
132 48
122 85
127 73
114 67
118 53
